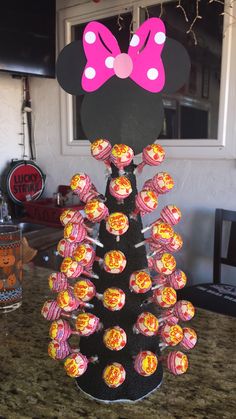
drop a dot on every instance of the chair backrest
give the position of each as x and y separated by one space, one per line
222 215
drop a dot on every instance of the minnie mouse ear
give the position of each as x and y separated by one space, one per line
177 65
70 65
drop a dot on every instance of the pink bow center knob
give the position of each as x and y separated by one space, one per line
123 66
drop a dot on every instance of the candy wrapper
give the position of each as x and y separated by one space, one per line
59 350
164 297
84 290
117 224
115 338
76 364
145 363
176 280
76 233
96 211
145 202
101 150
120 188
146 324
153 155
162 233
80 183
140 282
176 362
189 338
113 262
113 298
165 264
121 156
57 281
68 302
87 323
183 310
60 330
73 269
114 375
162 183
84 254
171 335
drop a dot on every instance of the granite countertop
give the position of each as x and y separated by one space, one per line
34 386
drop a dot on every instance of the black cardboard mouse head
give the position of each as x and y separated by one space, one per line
122 100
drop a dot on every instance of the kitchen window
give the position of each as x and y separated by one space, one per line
199 119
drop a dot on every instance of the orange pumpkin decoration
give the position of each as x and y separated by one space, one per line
11 280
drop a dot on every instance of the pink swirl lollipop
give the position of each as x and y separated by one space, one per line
189 339
183 310
162 182
156 249
176 280
51 310
113 298
153 155
85 255
117 224
80 183
115 338
59 350
113 262
165 264
66 248
171 214
57 282
146 202
76 364
120 188
114 375
171 335
165 297
76 233
96 211
140 282
71 216
146 324
101 150
67 301
87 323
162 233
148 185
177 362
73 269
121 156
60 330
84 290
88 196
175 244
145 363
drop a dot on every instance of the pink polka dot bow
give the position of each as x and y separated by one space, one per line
142 63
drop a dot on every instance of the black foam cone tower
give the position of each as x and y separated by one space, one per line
135 386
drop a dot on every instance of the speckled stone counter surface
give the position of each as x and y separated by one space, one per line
34 386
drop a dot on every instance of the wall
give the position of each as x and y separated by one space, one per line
201 185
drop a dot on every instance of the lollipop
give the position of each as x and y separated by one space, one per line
161 233
67 301
189 339
183 310
76 364
146 324
171 214
171 335
162 182
165 264
145 201
51 310
177 362
60 330
59 350
121 156
140 282
115 338
145 363
84 290
148 185
76 233
113 299
114 375
120 187
72 269
80 183
114 262
165 297
153 155
85 255
57 281
96 211
71 216
101 150
91 194
87 323
176 280
117 224
66 248
175 244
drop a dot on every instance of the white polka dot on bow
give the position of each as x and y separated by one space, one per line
90 37
152 74
90 73
160 38
134 41
109 62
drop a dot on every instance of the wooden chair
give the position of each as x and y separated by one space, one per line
217 296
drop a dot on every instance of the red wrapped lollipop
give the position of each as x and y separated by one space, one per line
80 183
120 187
121 156
76 364
153 155
146 324
76 233
146 202
73 269
96 211
114 375
87 323
140 282
145 363
101 150
60 330
117 224
162 183
115 338
189 339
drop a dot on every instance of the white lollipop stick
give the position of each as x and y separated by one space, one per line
98 243
140 244
146 229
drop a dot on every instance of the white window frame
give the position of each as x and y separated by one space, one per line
224 147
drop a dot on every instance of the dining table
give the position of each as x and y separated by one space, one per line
33 385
